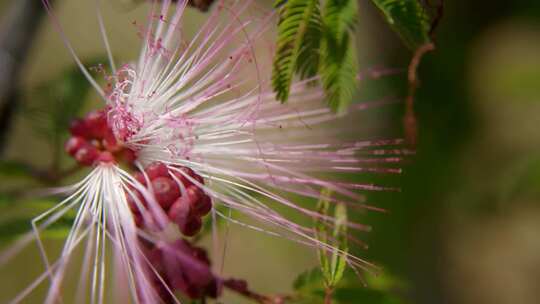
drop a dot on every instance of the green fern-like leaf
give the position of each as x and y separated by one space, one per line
340 16
279 3
408 18
338 73
338 66
295 22
307 64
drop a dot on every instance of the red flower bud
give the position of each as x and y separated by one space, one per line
200 202
73 144
110 143
180 212
78 127
205 205
96 122
86 154
192 226
166 191
157 169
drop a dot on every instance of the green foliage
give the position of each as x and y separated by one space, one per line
339 17
333 276
312 41
338 72
309 280
298 30
307 64
332 265
338 66
323 207
310 288
339 256
318 39
408 18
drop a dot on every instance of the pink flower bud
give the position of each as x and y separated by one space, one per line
73 144
110 143
202 206
78 127
86 154
192 226
180 212
96 122
166 191
156 169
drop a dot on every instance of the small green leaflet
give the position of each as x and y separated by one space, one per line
298 31
338 70
408 18
339 259
313 41
323 206
332 265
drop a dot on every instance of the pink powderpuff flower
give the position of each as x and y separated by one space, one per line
199 128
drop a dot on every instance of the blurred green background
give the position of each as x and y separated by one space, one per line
465 227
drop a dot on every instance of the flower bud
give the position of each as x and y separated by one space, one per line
78 127
192 226
96 122
200 202
166 191
156 169
180 212
86 154
73 144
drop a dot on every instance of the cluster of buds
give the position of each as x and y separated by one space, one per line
177 191
178 266
92 141
182 267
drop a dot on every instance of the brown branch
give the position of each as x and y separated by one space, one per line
328 292
409 120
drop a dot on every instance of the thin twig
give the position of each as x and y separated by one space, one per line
328 292
409 120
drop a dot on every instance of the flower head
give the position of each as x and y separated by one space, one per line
188 127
